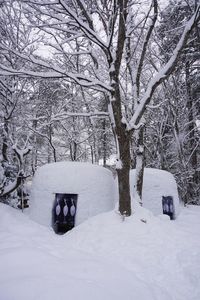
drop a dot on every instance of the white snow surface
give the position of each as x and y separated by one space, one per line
156 183
93 184
104 258
198 124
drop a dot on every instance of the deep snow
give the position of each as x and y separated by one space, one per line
104 258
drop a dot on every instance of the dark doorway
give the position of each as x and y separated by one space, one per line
168 206
64 212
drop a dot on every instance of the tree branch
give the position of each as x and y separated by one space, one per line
165 71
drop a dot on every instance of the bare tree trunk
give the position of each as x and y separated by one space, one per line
191 126
52 146
139 163
123 172
104 142
6 190
5 140
122 136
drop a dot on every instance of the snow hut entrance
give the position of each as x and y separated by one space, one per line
64 212
168 206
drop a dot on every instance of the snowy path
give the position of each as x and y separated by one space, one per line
102 259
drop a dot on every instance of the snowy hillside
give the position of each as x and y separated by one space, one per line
102 259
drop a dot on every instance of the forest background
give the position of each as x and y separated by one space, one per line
86 80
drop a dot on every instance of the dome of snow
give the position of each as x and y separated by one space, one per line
157 183
93 184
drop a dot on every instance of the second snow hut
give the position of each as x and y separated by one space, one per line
160 194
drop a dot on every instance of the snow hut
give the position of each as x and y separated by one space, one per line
70 191
160 194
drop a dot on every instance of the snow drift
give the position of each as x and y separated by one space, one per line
102 258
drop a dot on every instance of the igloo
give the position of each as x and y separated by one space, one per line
69 193
159 189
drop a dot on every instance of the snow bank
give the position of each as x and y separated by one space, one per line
102 258
157 183
93 184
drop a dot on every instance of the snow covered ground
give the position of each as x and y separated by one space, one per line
104 258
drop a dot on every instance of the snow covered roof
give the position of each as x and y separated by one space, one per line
157 183
93 184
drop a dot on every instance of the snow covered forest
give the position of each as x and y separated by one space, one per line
89 80
114 84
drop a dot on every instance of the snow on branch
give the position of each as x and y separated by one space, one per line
144 47
21 153
90 114
54 72
65 115
83 24
88 30
198 124
164 72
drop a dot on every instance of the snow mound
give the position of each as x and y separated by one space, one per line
93 184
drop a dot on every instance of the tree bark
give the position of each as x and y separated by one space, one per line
12 187
139 163
5 141
191 117
122 136
123 172
104 142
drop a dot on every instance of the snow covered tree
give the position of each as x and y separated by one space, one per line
13 137
182 95
97 32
